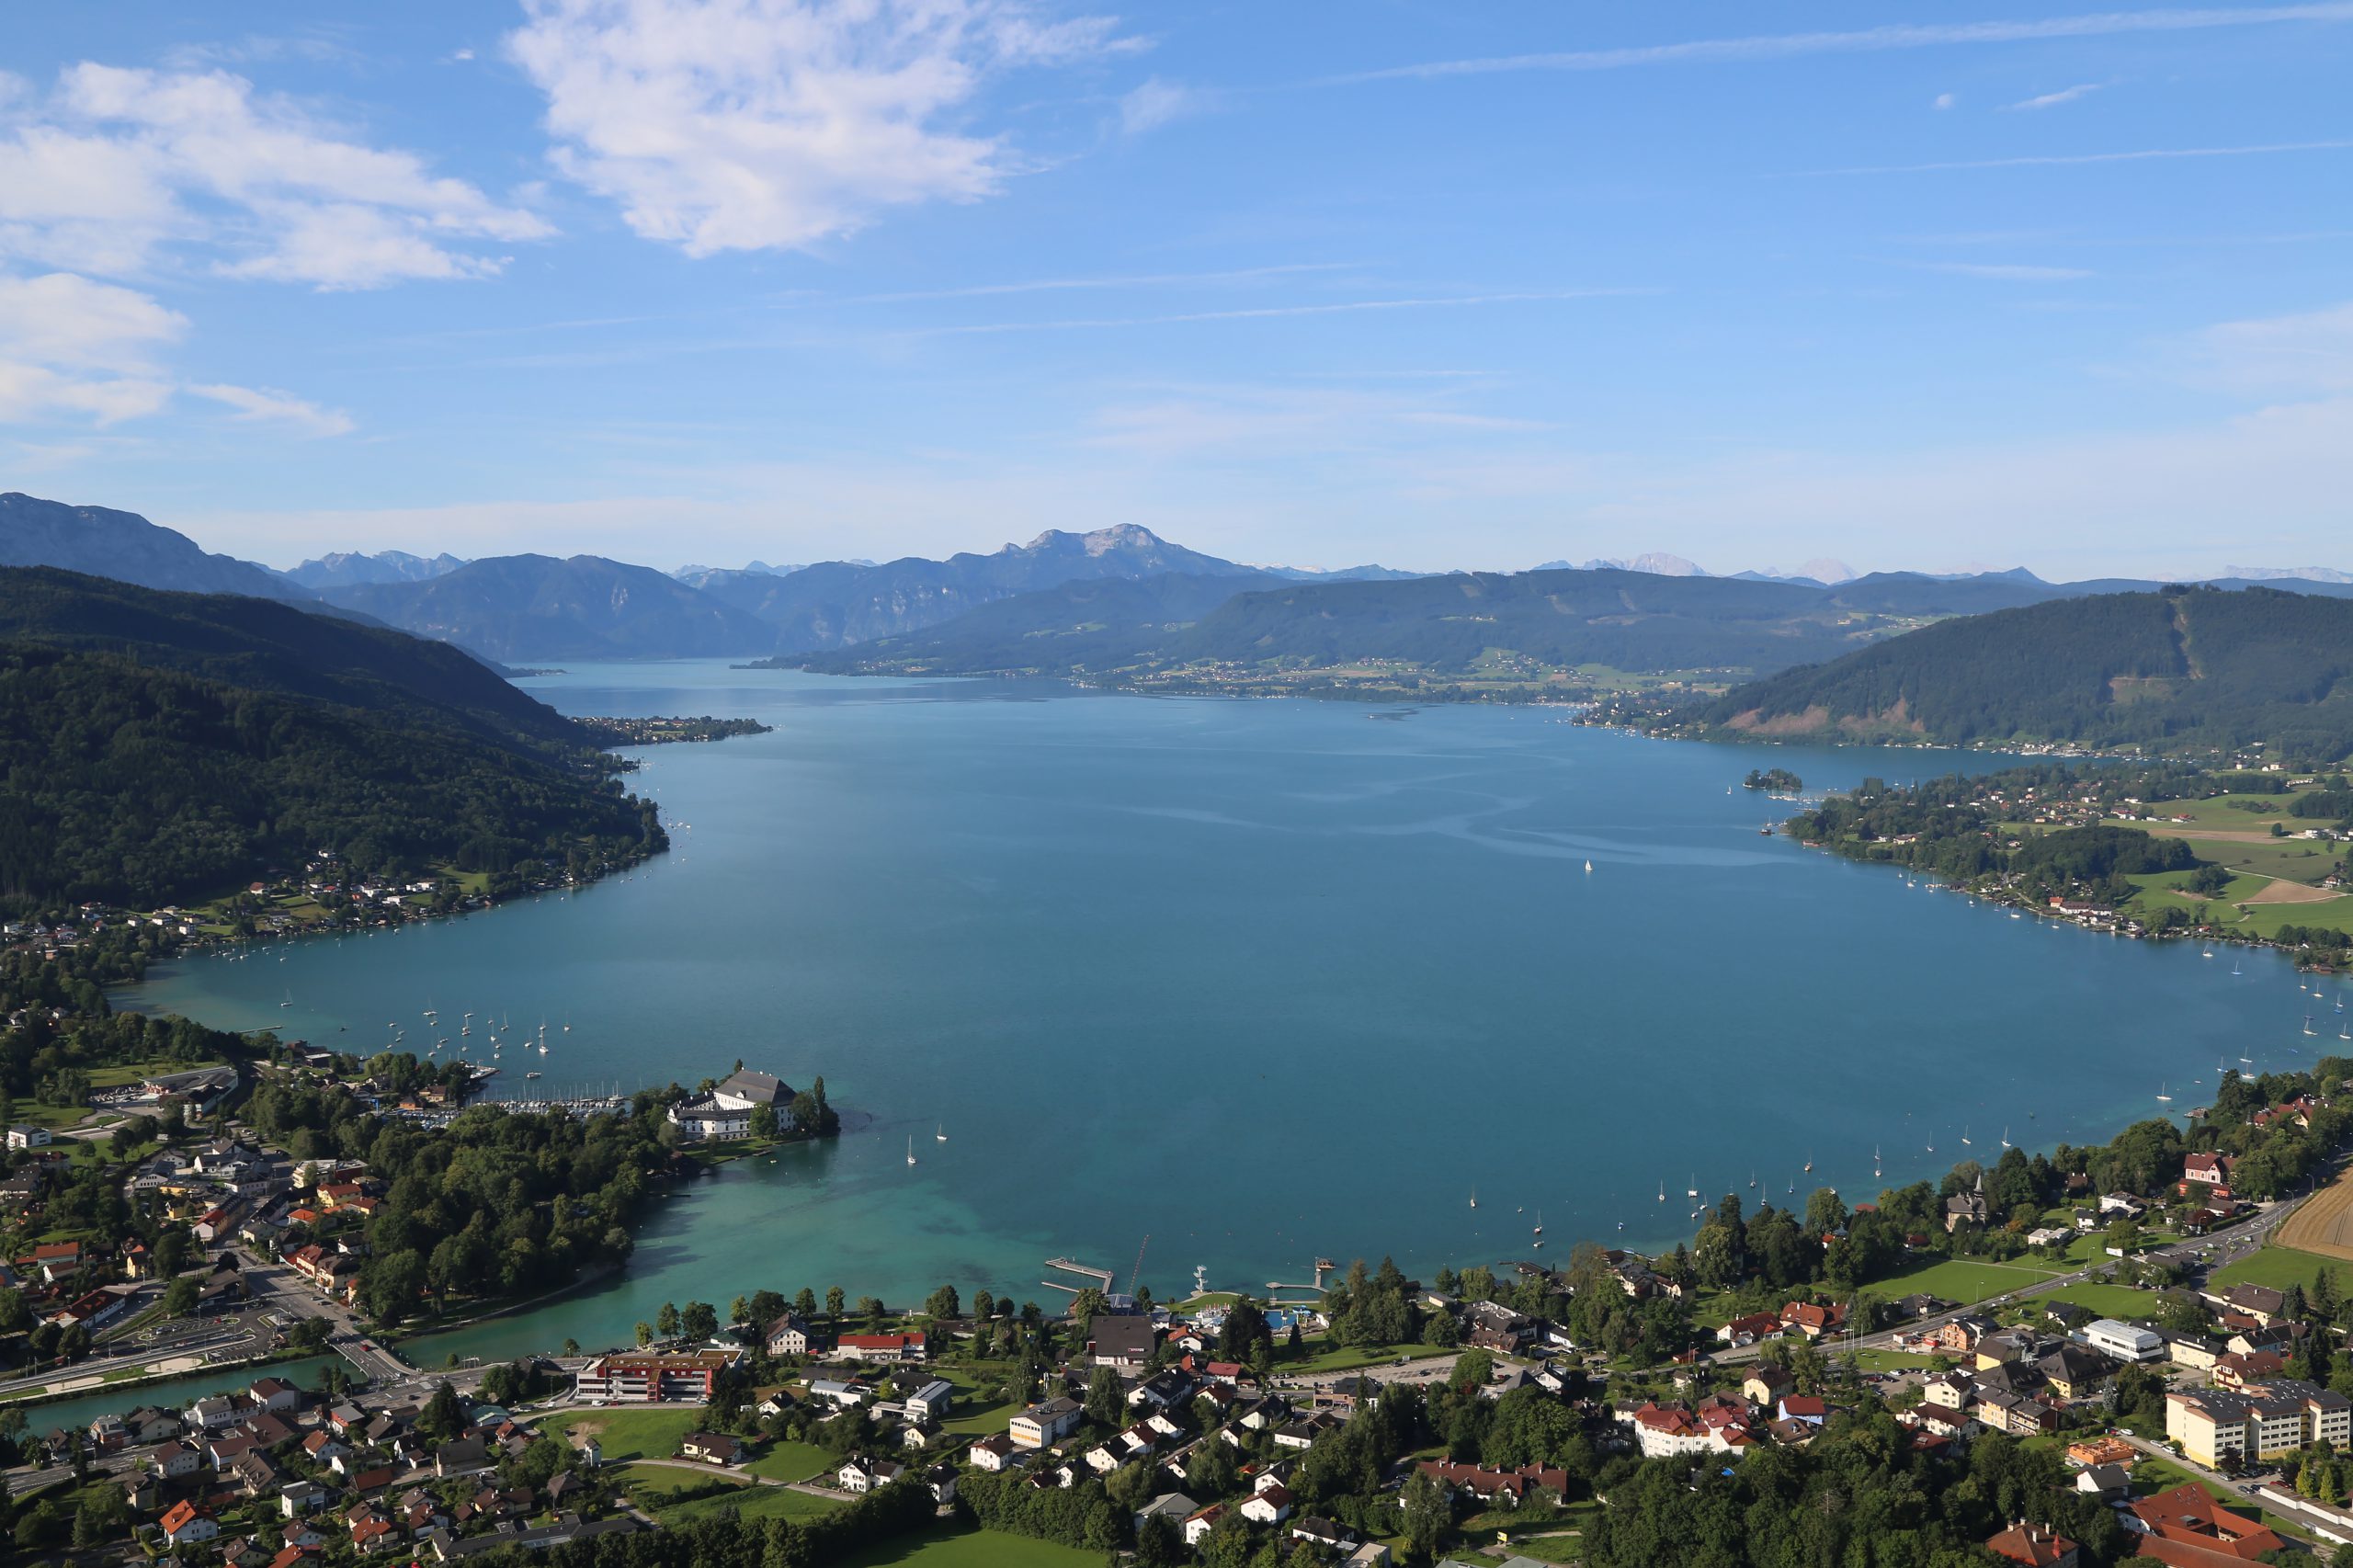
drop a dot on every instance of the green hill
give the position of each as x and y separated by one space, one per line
1436 630
167 747
2177 670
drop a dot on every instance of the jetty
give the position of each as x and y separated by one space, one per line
1102 1277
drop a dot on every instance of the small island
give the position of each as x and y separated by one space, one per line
1776 780
659 731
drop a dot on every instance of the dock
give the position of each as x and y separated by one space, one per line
1101 1277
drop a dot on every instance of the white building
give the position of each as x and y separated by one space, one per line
2124 1341
726 1111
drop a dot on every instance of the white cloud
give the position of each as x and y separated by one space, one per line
1156 103
1944 100
1871 41
2306 354
73 347
115 165
724 125
2064 96
260 406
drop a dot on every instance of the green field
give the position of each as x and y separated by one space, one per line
2279 1267
1324 1356
1884 1360
972 1549
650 1484
752 1502
1966 1280
793 1461
627 1435
2108 1301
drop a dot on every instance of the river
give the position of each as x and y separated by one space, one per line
1234 984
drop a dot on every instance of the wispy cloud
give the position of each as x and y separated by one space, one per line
1335 307
1864 40
1110 280
1157 103
2306 354
2053 100
260 406
2004 272
721 125
2062 160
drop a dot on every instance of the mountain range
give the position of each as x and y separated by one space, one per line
127 548
2182 669
345 569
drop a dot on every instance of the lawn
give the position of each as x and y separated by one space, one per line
1884 1360
1324 1356
627 1435
2279 1267
2108 1301
751 1502
793 1461
650 1484
972 1549
1966 1280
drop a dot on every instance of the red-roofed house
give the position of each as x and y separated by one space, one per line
882 1346
2187 1528
2034 1547
183 1525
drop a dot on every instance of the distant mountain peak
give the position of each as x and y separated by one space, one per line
126 547
2281 574
1656 562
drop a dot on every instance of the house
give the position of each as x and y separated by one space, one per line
1813 1321
1171 1386
300 1497
929 1404
839 1393
2032 1546
710 1447
1123 1341
1324 1533
2105 1481
1766 1382
2238 1371
1049 1421
788 1336
1197 1526
726 1111
466 1456
2075 1373
991 1454
2102 1450
183 1526
2261 1302
275 1394
861 1474
2208 1170
1174 1506
1750 1329
1967 1208
1271 1506
2187 1528
1508 1488
24 1136
1807 1408
882 1346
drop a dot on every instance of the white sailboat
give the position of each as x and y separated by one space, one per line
1475 1197
940 1134
2161 1093
1589 867
2006 1137
911 1149
1964 1137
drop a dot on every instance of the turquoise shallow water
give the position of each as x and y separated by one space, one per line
1262 981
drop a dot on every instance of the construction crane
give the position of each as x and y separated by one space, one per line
1138 1275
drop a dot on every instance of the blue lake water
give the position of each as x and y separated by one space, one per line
1262 981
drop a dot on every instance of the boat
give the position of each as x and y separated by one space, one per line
940 1136
2161 1093
2207 954
1964 1137
1693 1190
2006 1137
530 1074
911 1150
1809 1163
1539 1221
1589 867
1475 1197
1874 1162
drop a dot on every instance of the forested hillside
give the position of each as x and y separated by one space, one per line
2176 670
130 784
275 647
522 607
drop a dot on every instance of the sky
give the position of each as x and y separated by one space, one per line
1432 284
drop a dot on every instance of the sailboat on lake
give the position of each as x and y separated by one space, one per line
911 1149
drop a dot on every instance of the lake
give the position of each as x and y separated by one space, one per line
1236 984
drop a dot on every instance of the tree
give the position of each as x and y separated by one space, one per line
1826 1211
740 1310
665 1321
1105 1398
871 1309
833 1301
1427 1516
700 1321
443 1417
644 1334
943 1303
180 1297
766 1307
763 1122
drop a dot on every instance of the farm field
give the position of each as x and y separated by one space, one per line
972 1549
2279 1267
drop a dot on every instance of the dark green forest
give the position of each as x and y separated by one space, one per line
2180 670
131 785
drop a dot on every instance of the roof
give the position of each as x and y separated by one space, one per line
2030 1544
763 1088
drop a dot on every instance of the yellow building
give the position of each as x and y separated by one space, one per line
2261 1421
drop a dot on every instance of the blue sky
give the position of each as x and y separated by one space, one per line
1430 285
